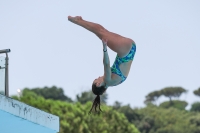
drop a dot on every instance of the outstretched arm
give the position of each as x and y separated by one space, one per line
106 63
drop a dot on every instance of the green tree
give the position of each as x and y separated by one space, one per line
130 113
175 104
152 97
195 120
117 105
153 119
171 92
197 92
195 107
142 122
172 120
86 96
74 117
51 93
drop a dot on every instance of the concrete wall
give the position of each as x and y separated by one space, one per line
17 117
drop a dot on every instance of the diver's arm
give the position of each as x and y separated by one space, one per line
106 60
106 63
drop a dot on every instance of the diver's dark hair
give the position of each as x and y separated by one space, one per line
97 91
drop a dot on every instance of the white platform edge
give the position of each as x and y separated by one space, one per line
29 113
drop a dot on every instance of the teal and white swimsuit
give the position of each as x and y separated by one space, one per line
115 67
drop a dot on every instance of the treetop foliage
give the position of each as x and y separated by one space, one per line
175 104
74 117
51 93
167 92
168 117
197 92
173 91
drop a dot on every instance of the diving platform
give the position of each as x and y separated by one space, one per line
18 117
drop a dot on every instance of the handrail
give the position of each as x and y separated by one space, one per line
6 51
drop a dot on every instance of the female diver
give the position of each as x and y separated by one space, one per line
125 49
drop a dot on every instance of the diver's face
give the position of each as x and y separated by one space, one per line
99 82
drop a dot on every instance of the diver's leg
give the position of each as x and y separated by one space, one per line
93 27
121 45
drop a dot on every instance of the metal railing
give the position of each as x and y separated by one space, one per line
6 51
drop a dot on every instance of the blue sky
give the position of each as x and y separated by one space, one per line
47 50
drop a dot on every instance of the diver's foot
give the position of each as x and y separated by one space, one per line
74 19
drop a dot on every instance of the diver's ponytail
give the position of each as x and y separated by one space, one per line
96 103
